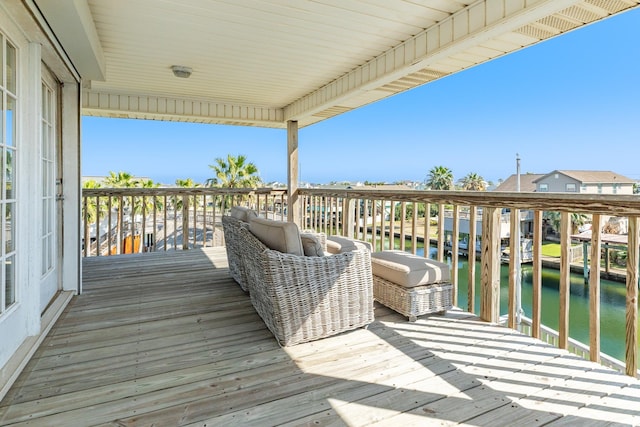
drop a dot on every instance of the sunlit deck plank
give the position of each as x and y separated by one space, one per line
170 339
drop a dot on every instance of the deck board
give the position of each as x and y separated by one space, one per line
170 339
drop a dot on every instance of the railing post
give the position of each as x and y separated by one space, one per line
536 304
454 253
514 246
185 222
427 230
87 240
441 232
471 257
490 262
392 227
348 217
631 346
403 216
594 290
565 279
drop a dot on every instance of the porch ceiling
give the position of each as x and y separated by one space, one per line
261 63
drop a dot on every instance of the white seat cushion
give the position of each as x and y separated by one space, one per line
243 213
277 235
408 270
339 244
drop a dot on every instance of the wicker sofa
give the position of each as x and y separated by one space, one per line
300 298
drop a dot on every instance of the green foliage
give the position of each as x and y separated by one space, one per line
577 219
473 182
94 209
440 178
234 172
187 183
184 183
120 180
409 211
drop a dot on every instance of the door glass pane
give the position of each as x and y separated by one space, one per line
1 61
11 68
8 149
10 121
10 282
2 115
9 227
9 173
44 179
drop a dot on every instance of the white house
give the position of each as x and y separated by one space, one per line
206 61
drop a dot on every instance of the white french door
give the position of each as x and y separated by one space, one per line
49 270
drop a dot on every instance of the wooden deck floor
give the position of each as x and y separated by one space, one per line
170 339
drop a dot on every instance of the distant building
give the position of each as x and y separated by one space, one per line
527 183
585 182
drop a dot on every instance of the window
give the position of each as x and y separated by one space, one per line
571 187
8 120
47 150
543 187
599 188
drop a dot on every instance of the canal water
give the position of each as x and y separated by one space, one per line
612 302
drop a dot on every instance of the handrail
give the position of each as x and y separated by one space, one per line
604 204
369 213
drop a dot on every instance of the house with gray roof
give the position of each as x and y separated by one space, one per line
588 182
527 182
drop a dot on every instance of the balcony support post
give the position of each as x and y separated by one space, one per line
293 205
490 263
633 259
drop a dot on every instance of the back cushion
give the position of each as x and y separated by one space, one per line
243 213
277 235
311 245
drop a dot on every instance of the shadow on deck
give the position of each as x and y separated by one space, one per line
170 339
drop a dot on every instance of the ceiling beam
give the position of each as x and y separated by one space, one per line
178 109
477 23
72 22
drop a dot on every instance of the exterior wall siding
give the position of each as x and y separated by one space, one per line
557 185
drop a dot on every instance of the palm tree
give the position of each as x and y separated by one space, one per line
577 219
440 178
473 182
148 204
120 180
94 209
184 183
234 172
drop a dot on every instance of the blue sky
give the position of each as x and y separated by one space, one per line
572 102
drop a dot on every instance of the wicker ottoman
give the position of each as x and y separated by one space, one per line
410 284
